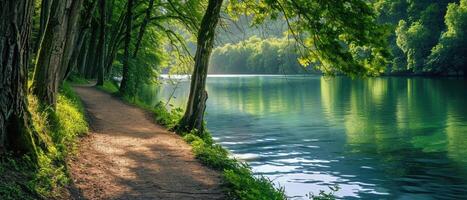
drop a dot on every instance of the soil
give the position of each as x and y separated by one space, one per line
127 156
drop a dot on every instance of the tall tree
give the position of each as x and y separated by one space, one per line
71 39
101 43
44 19
194 113
80 46
126 57
91 51
142 29
46 74
15 31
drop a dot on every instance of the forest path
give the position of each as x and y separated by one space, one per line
127 156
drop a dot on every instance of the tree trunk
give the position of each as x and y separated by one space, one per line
46 74
126 57
143 27
194 113
44 18
81 60
85 22
101 44
71 39
91 51
15 121
115 39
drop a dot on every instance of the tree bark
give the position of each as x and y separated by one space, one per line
15 121
44 18
126 57
194 112
71 39
115 40
85 22
91 51
83 57
47 72
101 43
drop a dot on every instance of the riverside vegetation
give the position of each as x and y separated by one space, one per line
240 181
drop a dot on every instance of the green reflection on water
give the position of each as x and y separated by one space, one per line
410 131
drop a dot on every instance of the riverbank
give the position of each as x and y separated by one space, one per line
127 156
239 180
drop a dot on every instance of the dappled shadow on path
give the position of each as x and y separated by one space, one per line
126 156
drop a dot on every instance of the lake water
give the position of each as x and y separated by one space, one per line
379 138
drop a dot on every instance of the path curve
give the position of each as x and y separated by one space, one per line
127 156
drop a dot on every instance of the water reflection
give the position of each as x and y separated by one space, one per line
380 138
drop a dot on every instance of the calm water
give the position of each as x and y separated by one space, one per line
381 138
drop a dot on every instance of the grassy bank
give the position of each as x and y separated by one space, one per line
240 181
46 179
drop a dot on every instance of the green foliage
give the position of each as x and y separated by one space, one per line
416 27
450 54
210 154
335 36
59 130
109 87
166 34
417 39
257 56
166 118
241 182
244 185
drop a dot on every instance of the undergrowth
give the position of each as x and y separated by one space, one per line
109 87
58 130
77 79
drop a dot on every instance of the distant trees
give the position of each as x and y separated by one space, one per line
419 35
450 54
258 56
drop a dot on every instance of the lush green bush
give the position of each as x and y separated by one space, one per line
59 129
166 118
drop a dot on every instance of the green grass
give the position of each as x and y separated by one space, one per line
109 87
77 80
240 181
58 130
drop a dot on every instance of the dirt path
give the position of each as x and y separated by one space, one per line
127 156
